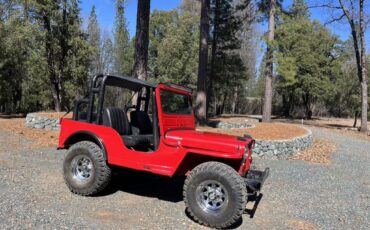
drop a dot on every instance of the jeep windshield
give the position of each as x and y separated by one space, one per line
175 103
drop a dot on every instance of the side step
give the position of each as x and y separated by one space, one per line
255 179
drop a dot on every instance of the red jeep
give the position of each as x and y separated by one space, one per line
152 128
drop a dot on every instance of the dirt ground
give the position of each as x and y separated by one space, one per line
339 125
297 194
263 131
51 114
38 137
278 130
319 153
44 138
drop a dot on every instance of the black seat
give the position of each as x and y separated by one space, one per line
141 123
138 140
117 119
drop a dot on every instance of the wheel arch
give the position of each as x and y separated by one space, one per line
192 160
85 136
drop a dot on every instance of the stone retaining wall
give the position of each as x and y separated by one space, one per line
282 149
39 122
224 125
276 149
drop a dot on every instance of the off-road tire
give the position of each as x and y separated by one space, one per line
101 171
231 181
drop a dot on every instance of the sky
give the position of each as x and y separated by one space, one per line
106 14
106 11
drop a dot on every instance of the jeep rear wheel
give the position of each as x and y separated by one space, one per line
85 169
215 195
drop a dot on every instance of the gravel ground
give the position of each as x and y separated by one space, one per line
297 195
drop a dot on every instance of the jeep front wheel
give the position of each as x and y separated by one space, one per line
215 195
85 169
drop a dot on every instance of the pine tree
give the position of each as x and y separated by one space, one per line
65 48
107 54
160 22
123 63
94 39
306 61
227 70
178 51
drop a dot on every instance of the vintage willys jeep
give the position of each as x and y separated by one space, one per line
157 134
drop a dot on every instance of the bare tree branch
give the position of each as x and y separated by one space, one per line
325 6
345 11
337 19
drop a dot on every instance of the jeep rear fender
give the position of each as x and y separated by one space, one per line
85 136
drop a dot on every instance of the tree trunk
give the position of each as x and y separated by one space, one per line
364 99
235 99
142 39
355 122
359 45
364 106
267 106
213 54
201 96
223 104
55 84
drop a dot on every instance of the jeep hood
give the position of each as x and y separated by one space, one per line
207 141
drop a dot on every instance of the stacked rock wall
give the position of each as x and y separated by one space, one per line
40 122
282 149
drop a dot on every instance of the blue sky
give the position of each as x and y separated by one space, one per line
106 14
106 11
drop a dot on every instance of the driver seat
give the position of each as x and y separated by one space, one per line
117 119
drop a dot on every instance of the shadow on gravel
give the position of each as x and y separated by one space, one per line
236 225
256 199
213 124
145 184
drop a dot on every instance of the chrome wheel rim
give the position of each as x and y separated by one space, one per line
82 168
211 196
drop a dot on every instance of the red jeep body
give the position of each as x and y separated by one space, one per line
181 147
161 139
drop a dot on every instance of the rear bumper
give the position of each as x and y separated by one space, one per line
255 179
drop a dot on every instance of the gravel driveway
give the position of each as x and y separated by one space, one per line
297 195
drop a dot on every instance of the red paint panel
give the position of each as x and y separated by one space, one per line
177 138
207 141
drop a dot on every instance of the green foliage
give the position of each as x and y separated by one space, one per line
173 46
227 70
66 48
160 21
18 39
107 54
123 53
94 40
177 59
42 46
263 6
306 59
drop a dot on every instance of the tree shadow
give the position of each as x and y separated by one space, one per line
338 126
312 122
160 187
145 184
12 116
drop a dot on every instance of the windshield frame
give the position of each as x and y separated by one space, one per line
176 92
